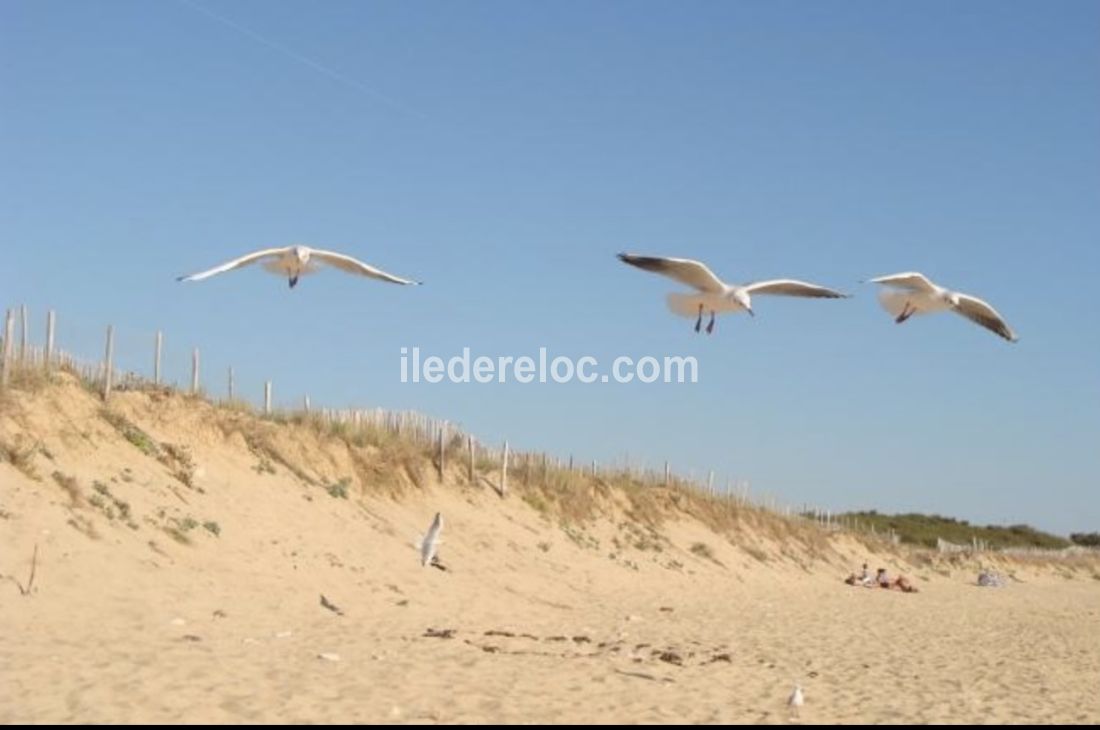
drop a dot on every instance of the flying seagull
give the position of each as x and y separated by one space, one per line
713 294
295 261
912 293
430 543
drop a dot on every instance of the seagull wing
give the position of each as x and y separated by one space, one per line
793 288
355 266
245 260
911 280
431 540
685 271
980 312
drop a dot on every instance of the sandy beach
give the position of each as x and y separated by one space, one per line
200 599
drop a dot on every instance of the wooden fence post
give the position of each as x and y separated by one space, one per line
230 384
504 472
267 398
5 362
51 321
195 371
470 447
442 449
23 334
109 363
156 358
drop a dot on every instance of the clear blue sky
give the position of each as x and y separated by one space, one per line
503 152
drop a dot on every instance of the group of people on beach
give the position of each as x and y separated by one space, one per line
880 580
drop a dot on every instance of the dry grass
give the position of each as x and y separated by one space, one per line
179 462
379 459
702 550
262 442
30 379
70 487
20 453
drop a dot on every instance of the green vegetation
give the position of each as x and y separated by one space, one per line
178 529
918 529
339 490
122 508
702 550
131 433
1089 539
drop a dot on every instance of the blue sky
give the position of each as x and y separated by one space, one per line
503 152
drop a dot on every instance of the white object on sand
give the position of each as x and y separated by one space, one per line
430 542
796 699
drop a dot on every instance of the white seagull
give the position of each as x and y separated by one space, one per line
912 293
295 261
714 295
430 543
796 700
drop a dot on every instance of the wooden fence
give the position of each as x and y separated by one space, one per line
18 354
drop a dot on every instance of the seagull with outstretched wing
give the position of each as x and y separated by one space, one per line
714 295
296 261
912 293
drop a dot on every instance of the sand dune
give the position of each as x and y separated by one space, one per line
184 550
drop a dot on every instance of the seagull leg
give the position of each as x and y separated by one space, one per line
699 322
906 313
710 327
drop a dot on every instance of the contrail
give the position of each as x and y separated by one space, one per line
332 74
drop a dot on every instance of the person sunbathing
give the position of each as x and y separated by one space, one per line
865 576
902 583
863 579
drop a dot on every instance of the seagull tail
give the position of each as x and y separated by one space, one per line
893 301
684 305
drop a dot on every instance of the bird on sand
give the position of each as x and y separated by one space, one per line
430 542
796 700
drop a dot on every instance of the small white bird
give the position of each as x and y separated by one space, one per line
912 293
296 261
430 542
796 699
714 295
